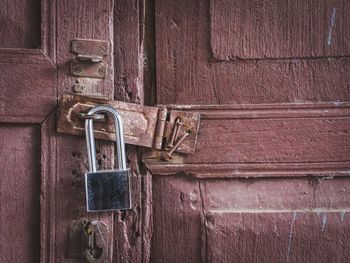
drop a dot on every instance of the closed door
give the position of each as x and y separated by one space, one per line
41 175
269 179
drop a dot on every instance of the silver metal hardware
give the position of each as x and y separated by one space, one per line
95 117
106 189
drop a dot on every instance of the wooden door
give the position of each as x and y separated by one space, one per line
269 179
41 171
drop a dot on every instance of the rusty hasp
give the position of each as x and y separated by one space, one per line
152 127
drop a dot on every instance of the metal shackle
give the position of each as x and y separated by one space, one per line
90 140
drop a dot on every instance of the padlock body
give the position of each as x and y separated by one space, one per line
107 190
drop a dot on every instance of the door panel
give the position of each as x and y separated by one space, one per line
277 237
20 24
268 180
279 29
187 72
19 193
35 62
28 95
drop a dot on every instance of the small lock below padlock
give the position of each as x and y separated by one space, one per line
106 189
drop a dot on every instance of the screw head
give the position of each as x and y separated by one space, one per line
103 47
77 88
77 69
101 71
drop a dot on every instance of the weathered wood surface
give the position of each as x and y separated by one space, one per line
177 232
277 237
267 140
132 228
186 73
276 194
20 24
224 54
90 20
19 193
28 76
128 51
279 29
28 86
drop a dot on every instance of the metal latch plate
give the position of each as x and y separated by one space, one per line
143 125
90 58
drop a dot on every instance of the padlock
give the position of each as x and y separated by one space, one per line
106 189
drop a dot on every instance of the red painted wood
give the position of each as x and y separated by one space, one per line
177 220
31 81
272 95
19 193
187 74
128 48
20 24
273 140
28 86
91 20
277 194
279 29
277 237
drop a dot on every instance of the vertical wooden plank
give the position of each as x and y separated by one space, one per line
48 190
132 228
128 51
177 215
19 193
92 20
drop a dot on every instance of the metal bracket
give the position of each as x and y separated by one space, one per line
90 58
88 240
153 127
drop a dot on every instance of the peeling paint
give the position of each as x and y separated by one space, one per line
290 236
324 221
331 26
342 216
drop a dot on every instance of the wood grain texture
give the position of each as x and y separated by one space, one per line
128 51
266 141
205 57
28 86
90 20
272 194
48 190
186 73
176 220
273 140
277 237
279 29
19 193
20 24
132 228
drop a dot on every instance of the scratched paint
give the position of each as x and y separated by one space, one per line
324 221
342 216
290 236
331 26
